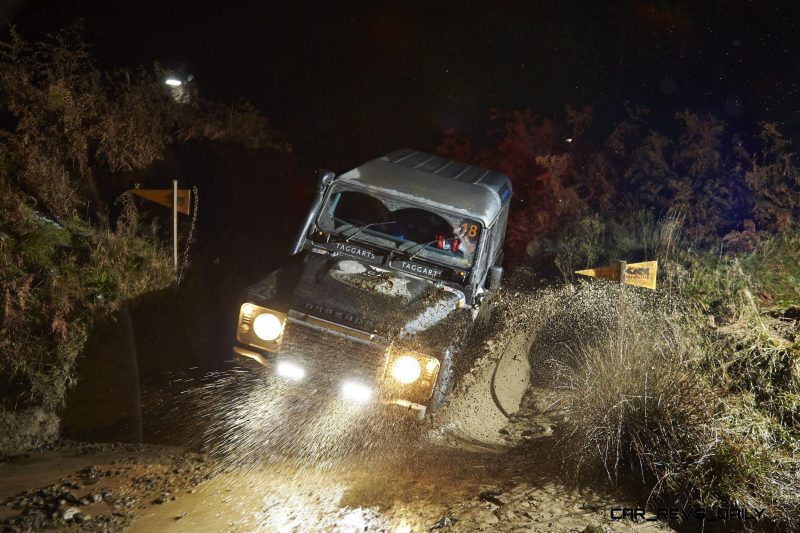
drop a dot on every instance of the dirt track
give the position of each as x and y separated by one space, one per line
449 487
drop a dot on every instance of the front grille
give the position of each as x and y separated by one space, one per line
331 357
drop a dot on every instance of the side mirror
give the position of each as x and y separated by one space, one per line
494 277
324 179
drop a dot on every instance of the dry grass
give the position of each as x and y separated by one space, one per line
653 407
634 404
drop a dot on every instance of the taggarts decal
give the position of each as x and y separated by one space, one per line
418 269
354 251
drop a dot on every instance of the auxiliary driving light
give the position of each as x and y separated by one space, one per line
357 392
406 369
267 327
288 370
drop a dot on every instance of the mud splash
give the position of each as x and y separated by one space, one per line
288 458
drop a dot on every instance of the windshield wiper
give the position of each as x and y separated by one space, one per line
366 226
422 249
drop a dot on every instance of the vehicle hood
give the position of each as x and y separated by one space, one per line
358 294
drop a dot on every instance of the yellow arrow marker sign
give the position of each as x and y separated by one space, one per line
642 274
164 197
638 274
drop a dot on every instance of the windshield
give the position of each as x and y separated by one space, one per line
398 225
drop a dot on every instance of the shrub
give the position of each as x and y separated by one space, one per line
774 181
71 137
647 405
56 276
726 186
631 396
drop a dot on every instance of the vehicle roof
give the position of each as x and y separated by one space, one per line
436 181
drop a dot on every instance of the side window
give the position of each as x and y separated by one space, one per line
498 235
482 266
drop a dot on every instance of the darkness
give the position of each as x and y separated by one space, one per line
347 81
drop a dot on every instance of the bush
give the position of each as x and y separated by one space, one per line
71 128
56 276
635 404
71 139
752 351
646 406
725 185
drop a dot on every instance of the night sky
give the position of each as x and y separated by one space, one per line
345 82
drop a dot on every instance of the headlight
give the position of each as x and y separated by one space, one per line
267 327
411 368
406 369
260 327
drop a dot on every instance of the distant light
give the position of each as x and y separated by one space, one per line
356 392
173 82
290 371
569 139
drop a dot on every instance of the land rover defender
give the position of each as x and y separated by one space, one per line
383 282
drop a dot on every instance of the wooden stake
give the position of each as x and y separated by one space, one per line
623 265
175 224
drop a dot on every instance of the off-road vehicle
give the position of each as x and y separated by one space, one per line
384 281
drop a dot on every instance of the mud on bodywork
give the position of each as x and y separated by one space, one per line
355 302
337 298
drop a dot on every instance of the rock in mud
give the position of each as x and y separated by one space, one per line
444 521
67 512
70 497
164 498
485 516
493 495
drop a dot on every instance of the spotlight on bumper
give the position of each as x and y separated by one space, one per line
291 371
356 392
406 369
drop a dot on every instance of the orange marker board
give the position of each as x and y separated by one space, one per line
164 197
637 274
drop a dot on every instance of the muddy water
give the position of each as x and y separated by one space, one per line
283 497
447 482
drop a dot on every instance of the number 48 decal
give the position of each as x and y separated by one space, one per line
470 230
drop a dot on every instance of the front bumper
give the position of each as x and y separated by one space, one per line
333 357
